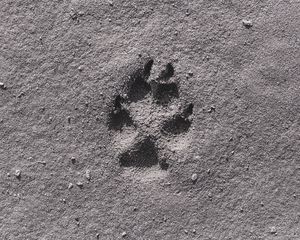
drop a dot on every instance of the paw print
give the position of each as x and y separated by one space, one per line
146 116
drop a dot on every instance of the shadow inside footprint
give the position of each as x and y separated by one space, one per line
176 126
119 116
180 123
166 74
138 85
142 155
139 89
164 92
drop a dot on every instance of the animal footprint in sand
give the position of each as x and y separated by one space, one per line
146 116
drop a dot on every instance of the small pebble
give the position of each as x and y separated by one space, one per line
194 231
98 235
21 94
18 173
88 175
124 234
8 174
194 177
79 184
80 68
70 185
2 86
42 162
73 160
247 23
186 232
212 109
178 192
273 230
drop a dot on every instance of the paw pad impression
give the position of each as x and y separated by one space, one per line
150 109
